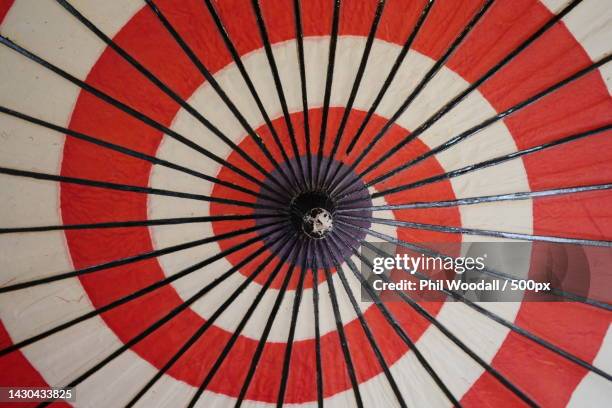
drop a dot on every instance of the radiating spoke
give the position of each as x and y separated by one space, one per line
329 79
245 75
131 188
140 116
197 62
133 153
350 367
596 132
134 258
477 128
134 295
207 324
493 316
299 35
364 325
392 73
355 88
524 195
162 321
483 232
303 251
475 84
423 312
431 73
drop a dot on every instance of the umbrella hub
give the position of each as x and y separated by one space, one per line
312 213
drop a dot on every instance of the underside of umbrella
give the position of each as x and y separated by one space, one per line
195 197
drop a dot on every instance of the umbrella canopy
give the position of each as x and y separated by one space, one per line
188 190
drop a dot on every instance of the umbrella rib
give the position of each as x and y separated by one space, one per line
473 86
329 78
197 62
364 325
133 153
496 274
431 73
297 300
423 312
245 319
316 316
134 258
278 85
355 88
394 69
483 232
138 115
134 295
245 75
207 324
159 83
410 343
160 322
477 128
268 327
130 188
524 195
493 316
486 163
299 35
140 223
342 336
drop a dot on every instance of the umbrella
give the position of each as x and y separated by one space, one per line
189 190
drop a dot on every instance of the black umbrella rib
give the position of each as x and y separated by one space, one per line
524 195
166 89
268 327
483 232
394 69
136 114
139 223
229 345
299 35
487 163
247 79
197 62
129 188
160 322
316 316
135 295
356 83
429 75
410 343
263 34
455 101
133 153
364 325
350 368
134 258
210 321
500 275
433 70
461 96
455 295
329 79
297 300
477 128
424 313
